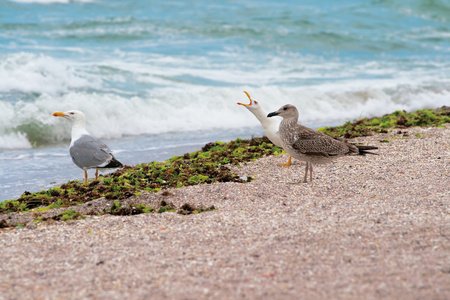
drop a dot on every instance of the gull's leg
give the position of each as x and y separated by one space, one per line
85 177
310 171
288 163
306 172
96 174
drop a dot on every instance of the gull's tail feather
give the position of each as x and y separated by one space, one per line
363 150
114 163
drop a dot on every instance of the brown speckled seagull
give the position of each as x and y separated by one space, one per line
310 145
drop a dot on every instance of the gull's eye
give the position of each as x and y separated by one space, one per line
256 102
285 108
71 113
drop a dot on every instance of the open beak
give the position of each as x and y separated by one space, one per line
251 101
273 114
59 114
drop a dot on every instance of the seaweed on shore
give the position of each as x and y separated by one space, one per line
200 167
397 119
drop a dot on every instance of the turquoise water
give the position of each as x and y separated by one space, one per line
161 78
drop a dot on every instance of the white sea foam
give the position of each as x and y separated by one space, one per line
38 73
176 93
157 71
14 141
200 108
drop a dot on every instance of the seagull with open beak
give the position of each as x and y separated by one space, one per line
270 125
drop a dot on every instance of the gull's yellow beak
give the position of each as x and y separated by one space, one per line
59 114
251 101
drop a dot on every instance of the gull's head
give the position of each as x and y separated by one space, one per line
252 105
286 111
75 116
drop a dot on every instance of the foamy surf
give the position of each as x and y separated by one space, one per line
110 116
157 80
14 141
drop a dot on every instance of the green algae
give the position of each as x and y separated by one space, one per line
71 215
187 209
397 119
206 166
68 215
200 167
166 207
118 209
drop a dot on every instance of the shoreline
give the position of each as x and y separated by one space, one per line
203 166
367 227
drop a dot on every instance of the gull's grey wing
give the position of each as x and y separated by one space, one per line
88 152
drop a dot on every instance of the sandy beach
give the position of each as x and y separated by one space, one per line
367 227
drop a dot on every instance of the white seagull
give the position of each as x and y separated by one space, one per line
86 151
270 125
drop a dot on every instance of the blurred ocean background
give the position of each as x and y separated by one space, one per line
160 78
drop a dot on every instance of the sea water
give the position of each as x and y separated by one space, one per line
160 78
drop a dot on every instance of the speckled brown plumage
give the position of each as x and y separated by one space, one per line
310 145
